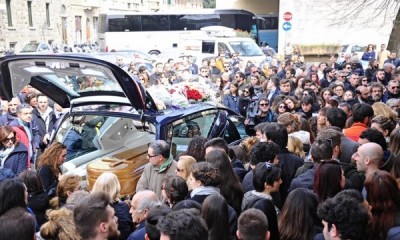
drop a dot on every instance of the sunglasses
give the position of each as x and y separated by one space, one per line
255 72
395 87
263 104
12 139
282 106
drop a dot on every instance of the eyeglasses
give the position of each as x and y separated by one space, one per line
263 104
179 170
150 156
254 72
282 106
226 66
12 139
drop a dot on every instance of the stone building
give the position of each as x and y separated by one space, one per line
68 21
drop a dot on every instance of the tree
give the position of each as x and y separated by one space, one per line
350 9
209 3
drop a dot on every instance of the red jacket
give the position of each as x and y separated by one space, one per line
355 131
22 137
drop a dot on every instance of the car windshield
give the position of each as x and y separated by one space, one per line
30 47
246 48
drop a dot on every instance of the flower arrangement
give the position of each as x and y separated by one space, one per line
179 95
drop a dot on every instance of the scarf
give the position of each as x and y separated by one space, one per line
4 154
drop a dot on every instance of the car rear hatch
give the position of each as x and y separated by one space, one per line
72 80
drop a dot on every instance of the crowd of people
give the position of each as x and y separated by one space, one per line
321 160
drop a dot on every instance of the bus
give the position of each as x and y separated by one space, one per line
268 29
153 32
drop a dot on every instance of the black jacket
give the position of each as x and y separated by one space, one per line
39 203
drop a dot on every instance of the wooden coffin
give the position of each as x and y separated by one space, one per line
127 165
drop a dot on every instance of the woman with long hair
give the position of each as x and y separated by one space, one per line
214 210
280 108
298 218
384 197
13 194
230 187
196 148
231 100
49 164
13 155
369 53
108 182
292 104
328 179
38 200
370 72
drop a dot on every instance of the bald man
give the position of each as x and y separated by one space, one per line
140 206
368 158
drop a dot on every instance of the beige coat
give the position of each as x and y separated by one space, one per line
152 180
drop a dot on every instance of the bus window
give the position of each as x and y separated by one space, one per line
182 22
116 24
155 23
133 23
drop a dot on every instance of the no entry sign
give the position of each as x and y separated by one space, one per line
287 16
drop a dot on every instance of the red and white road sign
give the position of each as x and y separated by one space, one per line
287 16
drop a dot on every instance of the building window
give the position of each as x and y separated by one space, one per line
30 13
48 14
9 16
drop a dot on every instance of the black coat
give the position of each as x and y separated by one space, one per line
39 203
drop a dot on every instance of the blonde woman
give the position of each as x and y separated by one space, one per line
183 168
295 146
67 185
108 182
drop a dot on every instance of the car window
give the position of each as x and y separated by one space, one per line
358 48
86 134
184 130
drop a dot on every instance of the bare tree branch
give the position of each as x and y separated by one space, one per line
349 11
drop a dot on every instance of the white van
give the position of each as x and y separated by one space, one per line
212 40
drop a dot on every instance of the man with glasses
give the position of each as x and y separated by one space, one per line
160 165
392 90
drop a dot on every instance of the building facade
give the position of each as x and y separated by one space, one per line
66 22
